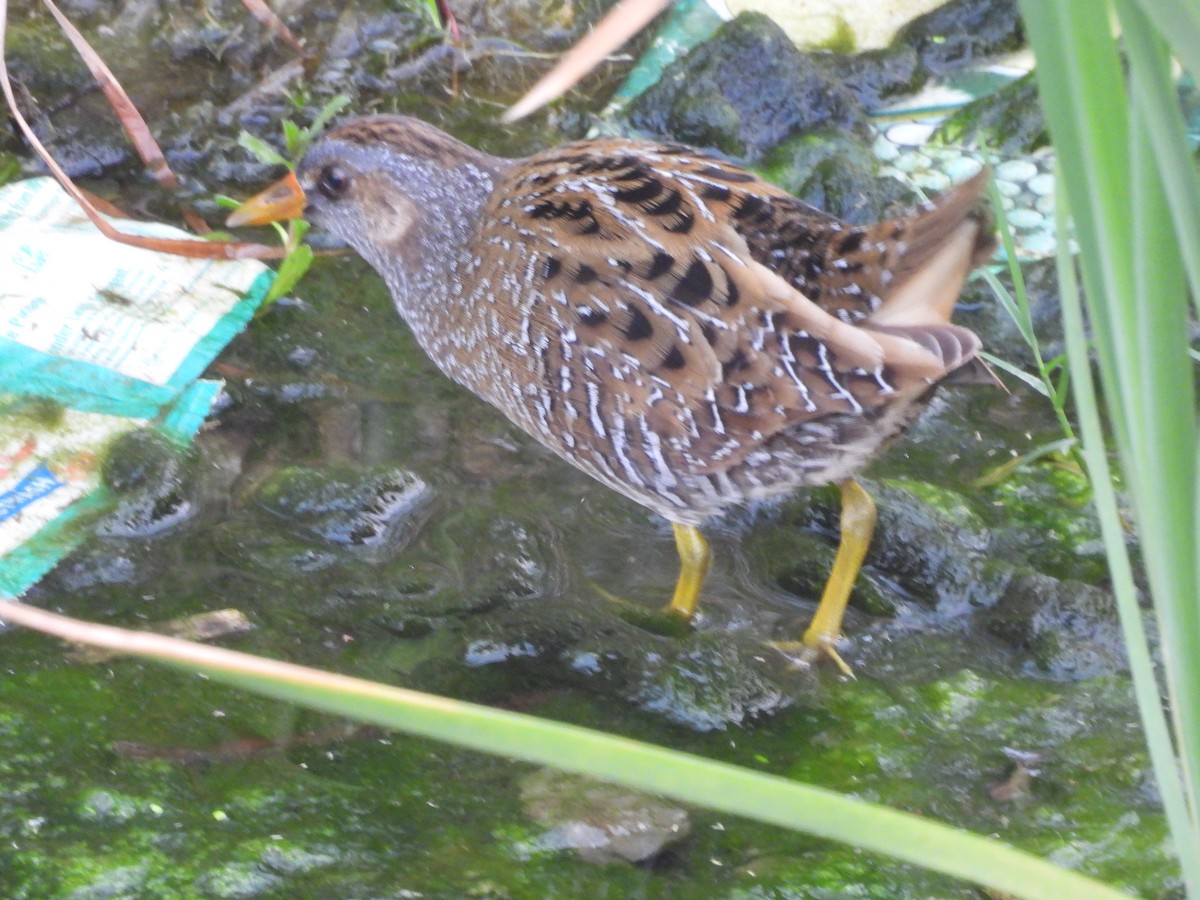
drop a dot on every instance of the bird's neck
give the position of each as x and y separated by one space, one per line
421 273
428 278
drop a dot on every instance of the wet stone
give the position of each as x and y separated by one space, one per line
910 134
934 181
1008 122
1026 219
374 512
151 512
961 33
875 75
834 173
488 653
138 459
516 567
1042 185
1070 628
600 822
1039 244
798 560
1016 170
282 555
1008 189
706 682
713 97
929 544
93 566
962 168
884 150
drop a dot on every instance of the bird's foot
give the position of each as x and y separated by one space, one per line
810 651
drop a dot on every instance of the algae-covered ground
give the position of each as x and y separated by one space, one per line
371 518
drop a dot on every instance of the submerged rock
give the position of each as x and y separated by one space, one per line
707 683
157 483
374 512
600 822
1070 628
928 550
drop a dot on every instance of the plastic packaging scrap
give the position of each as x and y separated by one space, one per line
96 339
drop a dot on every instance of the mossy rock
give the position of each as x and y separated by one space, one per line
746 91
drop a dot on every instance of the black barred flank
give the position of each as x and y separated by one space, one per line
750 206
736 363
593 318
668 206
660 265
732 294
674 359
683 223
642 191
717 192
851 242
695 286
639 327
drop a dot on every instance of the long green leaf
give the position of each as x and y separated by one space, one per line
1126 173
1104 496
1179 20
1153 93
1163 417
1081 84
683 776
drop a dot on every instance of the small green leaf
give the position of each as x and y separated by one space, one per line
1032 380
297 229
291 270
292 138
328 111
261 150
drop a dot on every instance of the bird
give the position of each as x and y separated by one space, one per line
673 325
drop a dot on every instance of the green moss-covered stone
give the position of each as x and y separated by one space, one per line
744 92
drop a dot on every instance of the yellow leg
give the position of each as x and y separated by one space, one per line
858 524
694 560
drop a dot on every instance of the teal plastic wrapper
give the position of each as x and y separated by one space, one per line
96 339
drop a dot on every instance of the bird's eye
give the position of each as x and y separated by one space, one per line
333 182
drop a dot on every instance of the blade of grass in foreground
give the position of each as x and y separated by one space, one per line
682 776
1117 168
1104 496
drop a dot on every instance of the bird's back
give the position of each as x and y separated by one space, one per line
694 336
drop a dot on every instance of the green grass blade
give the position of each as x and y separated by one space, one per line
1152 90
261 150
1163 436
1180 21
1033 382
1131 187
1081 85
1136 296
682 776
1095 453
